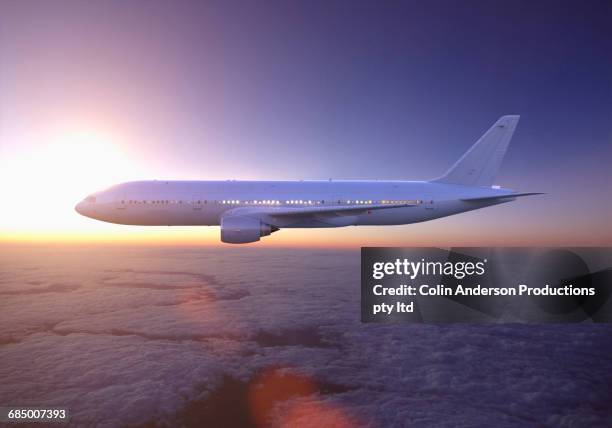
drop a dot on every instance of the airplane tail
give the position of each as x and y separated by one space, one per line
480 164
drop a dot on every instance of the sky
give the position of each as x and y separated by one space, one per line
95 93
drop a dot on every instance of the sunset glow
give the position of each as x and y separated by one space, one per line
96 94
54 172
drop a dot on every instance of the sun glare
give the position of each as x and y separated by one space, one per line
43 182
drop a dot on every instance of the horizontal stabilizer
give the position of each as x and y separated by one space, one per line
500 197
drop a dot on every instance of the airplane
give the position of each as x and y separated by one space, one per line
246 211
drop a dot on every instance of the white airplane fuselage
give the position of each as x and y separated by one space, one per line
203 203
249 210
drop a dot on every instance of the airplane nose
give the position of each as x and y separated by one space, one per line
79 208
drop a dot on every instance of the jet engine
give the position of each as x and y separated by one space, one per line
241 229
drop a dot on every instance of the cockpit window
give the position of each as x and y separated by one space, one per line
90 199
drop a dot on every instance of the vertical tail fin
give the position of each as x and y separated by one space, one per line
480 164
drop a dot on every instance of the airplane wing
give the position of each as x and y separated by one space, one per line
338 210
499 197
283 215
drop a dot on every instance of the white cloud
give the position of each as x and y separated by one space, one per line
133 342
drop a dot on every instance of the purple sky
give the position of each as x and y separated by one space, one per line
292 90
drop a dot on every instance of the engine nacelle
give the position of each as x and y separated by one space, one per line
241 229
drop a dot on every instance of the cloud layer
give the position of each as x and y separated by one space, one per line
129 336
